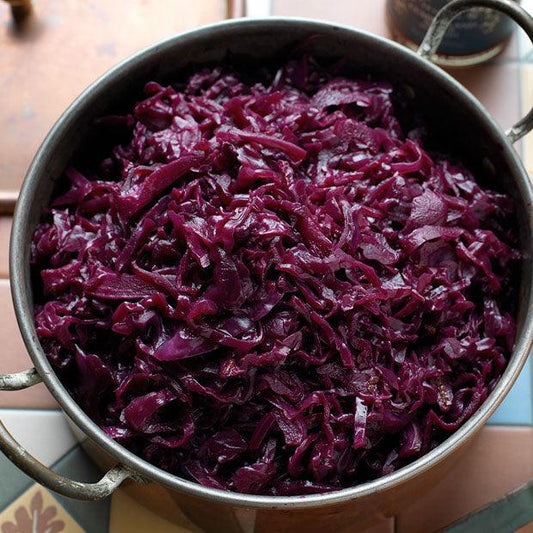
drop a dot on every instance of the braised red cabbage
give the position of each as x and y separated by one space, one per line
270 288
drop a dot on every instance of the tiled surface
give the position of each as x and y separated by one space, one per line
517 408
488 470
63 48
54 436
37 510
514 512
498 461
15 358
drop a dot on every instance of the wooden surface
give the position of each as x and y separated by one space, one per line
60 49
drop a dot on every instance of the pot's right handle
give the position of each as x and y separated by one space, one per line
444 17
41 473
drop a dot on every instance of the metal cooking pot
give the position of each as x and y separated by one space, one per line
466 130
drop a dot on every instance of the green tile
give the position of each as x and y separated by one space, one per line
503 516
92 516
13 482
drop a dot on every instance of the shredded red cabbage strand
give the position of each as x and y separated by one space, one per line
270 288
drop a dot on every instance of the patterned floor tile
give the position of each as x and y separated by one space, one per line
37 511
45 434
497 462
91 517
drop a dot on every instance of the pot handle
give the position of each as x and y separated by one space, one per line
41 473
444 17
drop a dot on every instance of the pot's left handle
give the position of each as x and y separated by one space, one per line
41 473
443 19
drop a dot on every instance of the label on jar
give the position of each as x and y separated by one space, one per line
472 32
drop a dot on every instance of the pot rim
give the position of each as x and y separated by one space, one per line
148 472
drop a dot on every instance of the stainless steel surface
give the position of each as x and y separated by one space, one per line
19 381
447 107
41 473
442 21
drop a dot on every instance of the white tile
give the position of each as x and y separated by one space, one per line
44 434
